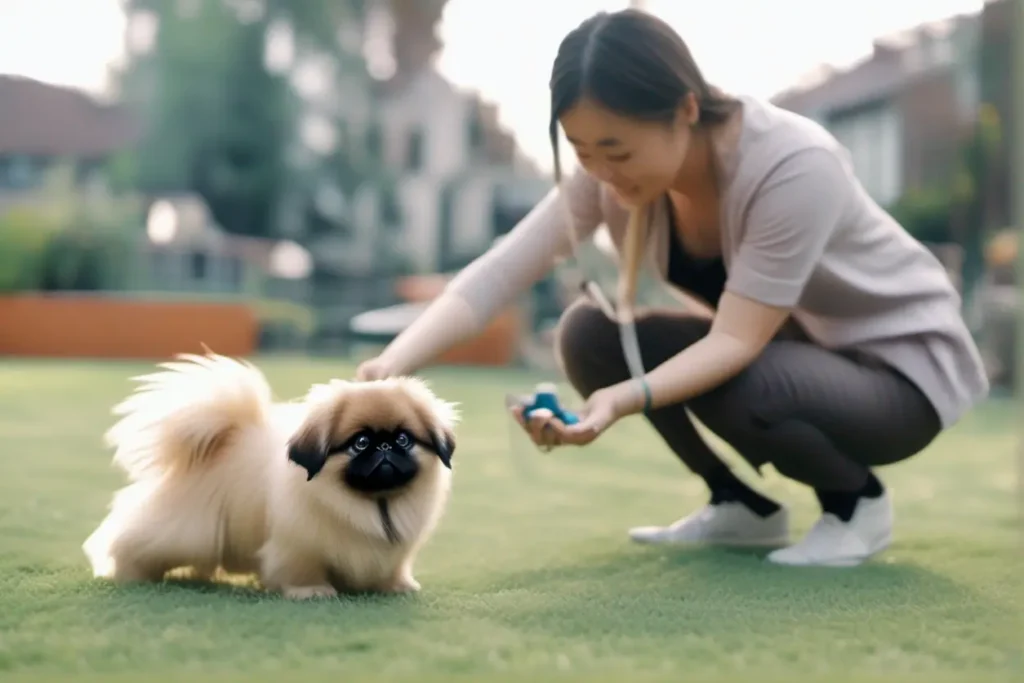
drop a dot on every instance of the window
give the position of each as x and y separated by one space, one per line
914 57
475 130
198 265
390 209
968 92
874 140
942 52
19 172
88 170
374 141
415 150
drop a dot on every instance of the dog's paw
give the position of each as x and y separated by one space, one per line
309 592
405 584
129 573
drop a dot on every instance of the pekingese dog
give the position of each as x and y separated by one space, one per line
336 492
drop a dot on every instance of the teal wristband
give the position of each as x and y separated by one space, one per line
648 399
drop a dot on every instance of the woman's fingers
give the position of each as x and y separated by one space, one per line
539 426
542 427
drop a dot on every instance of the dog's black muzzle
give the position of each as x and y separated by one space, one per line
382 469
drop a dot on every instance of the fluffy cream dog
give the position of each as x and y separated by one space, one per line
334 493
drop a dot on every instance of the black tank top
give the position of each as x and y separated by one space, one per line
703 277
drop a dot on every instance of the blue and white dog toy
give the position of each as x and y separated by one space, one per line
545 397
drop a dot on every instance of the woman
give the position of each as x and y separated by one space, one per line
835 343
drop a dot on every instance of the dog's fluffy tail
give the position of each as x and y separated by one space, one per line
184 415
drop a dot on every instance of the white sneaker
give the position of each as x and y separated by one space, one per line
834 543
729 524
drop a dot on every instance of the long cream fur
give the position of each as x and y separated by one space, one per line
206 451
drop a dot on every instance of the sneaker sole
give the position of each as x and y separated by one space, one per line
838 562
722 543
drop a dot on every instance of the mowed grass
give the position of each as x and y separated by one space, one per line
531 575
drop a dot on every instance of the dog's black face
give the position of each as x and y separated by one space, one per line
380 460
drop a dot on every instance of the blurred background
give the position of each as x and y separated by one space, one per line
301 176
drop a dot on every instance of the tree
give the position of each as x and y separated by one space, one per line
219 122
959 211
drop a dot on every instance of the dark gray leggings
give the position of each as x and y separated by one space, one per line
819 417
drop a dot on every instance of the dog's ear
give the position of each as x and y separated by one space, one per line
305 451
443 442
310 445
437 417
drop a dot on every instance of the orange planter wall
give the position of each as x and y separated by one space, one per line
82 326
497 344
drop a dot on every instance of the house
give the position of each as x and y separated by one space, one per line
43 126
462 181
186 251
904 111
48 131
451 179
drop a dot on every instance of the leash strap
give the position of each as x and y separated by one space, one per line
632 254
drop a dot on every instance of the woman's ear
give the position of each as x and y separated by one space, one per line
689 111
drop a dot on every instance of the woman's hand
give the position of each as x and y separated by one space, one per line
542 427
603 409
374 368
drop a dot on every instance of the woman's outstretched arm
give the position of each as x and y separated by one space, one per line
491 282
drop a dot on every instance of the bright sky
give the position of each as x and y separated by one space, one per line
505 49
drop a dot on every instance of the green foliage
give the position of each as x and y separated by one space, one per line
24 234
88 256
925 214
60 240
220 124
216 120
928 213
283 324
121 171
318 21
42 254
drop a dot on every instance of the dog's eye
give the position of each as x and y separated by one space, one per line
361 443
403 440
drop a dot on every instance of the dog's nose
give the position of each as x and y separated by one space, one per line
380 471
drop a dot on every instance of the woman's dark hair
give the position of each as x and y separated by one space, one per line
633 64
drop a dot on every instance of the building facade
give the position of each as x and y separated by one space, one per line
903 112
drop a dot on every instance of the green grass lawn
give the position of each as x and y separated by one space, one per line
531 575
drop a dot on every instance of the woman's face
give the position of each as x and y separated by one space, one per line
638 160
